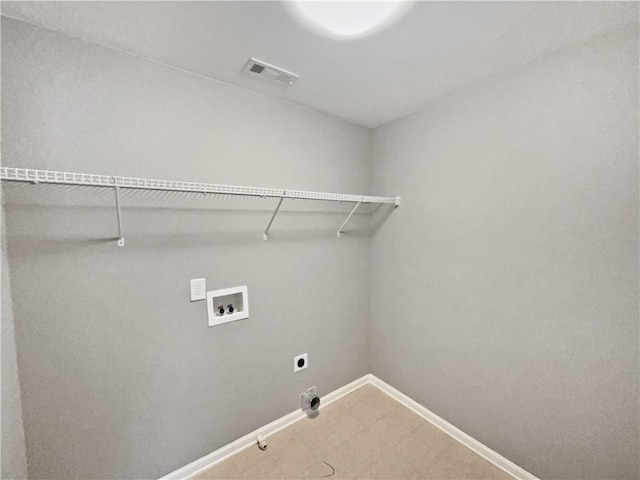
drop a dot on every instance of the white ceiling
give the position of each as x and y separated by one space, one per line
434 49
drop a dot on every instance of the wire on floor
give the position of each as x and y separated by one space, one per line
333 470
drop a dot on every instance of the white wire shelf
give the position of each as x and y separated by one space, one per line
87 179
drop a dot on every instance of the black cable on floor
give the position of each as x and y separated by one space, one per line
332 472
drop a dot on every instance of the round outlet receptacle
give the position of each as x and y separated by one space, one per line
300 362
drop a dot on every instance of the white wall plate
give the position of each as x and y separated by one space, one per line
198 289
237 296
300 362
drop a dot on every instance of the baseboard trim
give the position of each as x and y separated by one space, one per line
197 466
250 439
454 432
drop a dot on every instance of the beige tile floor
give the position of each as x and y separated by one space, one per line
364 435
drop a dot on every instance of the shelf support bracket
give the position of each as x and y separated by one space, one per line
265 235
348 218
118 213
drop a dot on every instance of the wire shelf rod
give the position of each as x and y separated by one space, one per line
265 235
87 179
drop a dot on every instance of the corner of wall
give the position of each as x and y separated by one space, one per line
13 463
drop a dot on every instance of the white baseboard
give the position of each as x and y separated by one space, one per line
190 470
250 439
454 432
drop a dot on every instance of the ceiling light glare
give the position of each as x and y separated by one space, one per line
347 19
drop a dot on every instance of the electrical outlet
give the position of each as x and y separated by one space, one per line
300 362
198 289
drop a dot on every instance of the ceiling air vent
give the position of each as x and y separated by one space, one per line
270 72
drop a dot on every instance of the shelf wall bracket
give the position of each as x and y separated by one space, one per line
118 213
265 235
348 218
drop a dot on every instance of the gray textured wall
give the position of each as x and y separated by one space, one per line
121 377
505 290
13 460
